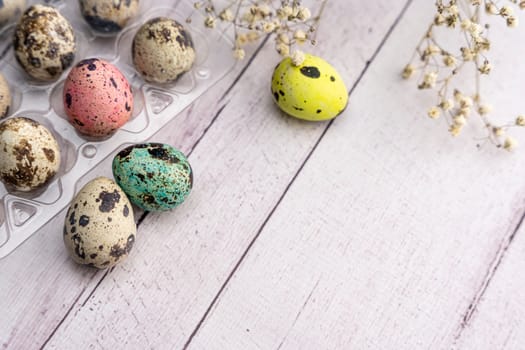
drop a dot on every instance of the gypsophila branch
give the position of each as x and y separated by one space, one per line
290 21
439 68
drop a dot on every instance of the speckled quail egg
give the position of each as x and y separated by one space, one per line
10 10
108 16
44 43
162 50
155 176
99 228
29 154
5 97
97 98
312 90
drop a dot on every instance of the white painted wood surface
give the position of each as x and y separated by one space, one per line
382 232
498 321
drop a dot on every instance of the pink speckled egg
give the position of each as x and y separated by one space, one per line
97 98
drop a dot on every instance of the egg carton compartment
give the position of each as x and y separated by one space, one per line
23 214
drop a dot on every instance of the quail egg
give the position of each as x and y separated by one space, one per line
99 228
155 176
312 90
5 97
108 16
29 154
97 98
44 43
162 50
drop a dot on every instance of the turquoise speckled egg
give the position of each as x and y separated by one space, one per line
155 176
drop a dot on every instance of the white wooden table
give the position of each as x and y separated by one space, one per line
375 231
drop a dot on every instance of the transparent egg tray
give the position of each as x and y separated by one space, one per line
23 214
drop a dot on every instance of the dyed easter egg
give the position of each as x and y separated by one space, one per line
44 43
162 50
29 154
99 228
155 176
108 16
311 91
97 98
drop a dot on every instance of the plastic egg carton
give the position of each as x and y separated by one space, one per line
23 214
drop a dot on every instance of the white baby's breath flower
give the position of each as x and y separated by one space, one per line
408 71
505 11
510 143
447 105
465 102
226 15
299 36
433 112
498 131
284 12
485 68
460 119
429 80
209 22
268 27
297 58
490 8
512 22
304 14
239 53
449 61
282 49
484 109
455 129
465 24
439 19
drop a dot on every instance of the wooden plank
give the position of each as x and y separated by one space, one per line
39 285
243 164
389 233
498 321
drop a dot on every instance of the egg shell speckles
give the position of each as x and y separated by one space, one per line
10 9
108 16
44 43
162 50
311 91
99 228
29 154
155 176
97 98
5 97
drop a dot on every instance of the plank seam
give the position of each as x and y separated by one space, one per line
219 111
489 275
67 313
145 214
261 228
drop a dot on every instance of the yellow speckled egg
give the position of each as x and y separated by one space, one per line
311 91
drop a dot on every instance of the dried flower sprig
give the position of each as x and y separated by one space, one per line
439 67
292 23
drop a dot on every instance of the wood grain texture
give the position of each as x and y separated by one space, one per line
388 236
39 284
243 165
498 322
